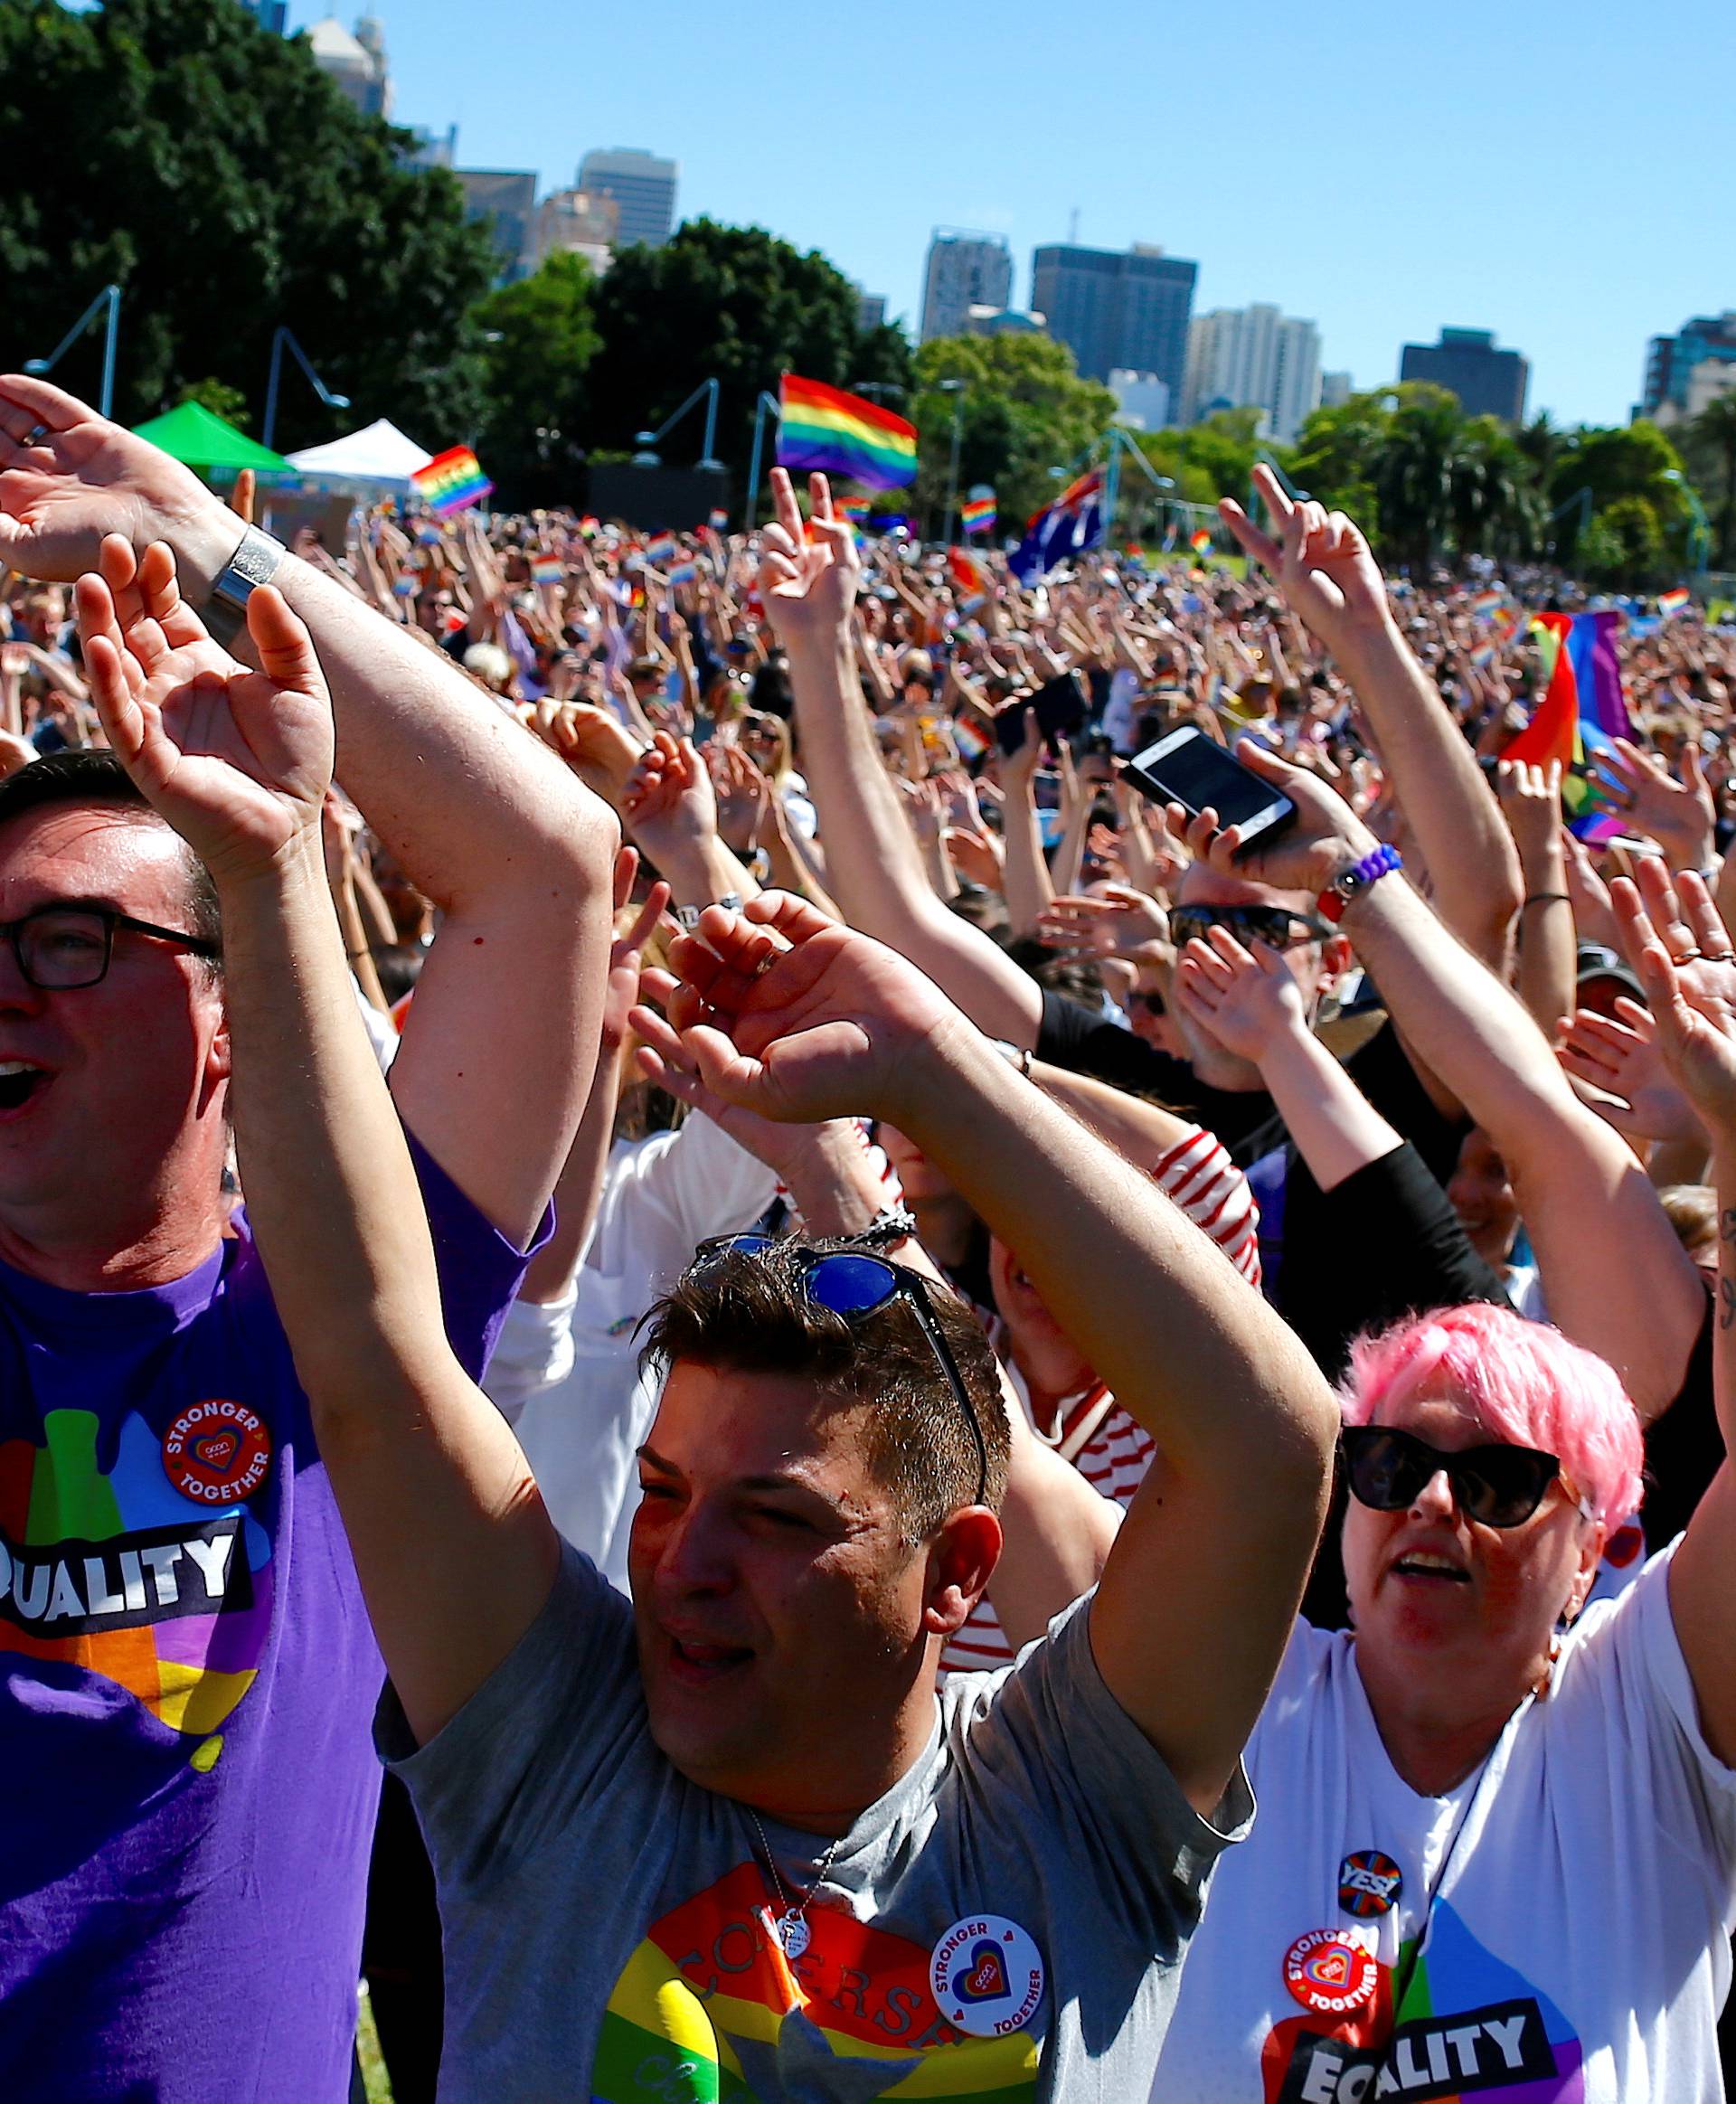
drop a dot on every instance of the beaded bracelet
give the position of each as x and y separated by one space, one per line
1343 888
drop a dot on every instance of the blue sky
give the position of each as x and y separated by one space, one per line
1561 175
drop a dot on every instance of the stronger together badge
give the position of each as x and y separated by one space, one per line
986 1975
217 1452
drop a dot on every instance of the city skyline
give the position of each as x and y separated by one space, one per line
1442 201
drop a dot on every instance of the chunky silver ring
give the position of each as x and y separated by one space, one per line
37 433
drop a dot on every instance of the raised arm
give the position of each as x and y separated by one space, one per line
801 1019
809 585
1330 579
481 819
453 1548
1617 1278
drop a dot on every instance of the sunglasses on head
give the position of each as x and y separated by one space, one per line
1496 1485
852 1283
1276 926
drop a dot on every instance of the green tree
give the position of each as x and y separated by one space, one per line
1633 460
1708 448
1023 413
538 340
221 400
1336 452
213 173
1623 545
735 302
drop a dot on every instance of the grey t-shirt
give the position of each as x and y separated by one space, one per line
609 1924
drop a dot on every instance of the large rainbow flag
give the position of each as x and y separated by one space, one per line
1583 709
451 481
822 428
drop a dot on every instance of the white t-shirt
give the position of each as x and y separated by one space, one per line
566 1376
1577 1947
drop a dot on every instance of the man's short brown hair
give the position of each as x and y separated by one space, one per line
749 1312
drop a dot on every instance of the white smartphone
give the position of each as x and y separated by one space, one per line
1189 769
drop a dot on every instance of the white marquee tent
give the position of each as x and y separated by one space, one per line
379 459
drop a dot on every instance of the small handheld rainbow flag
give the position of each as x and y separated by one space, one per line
976 515
854 508
451 482
1200 543
970 578
682 573
1672 602
547 569
719 520
971 740
659 549
1487 604
824 428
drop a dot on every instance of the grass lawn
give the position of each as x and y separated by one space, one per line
373 2069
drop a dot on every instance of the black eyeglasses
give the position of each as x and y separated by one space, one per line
849 1282
1275 926
1496 1485
60 947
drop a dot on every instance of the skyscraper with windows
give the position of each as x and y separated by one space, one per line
1254 356
1701 347
643 187
1488 382
1114 308
272 16
963 270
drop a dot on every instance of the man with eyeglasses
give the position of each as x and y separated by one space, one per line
187 1672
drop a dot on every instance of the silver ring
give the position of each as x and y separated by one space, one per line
37 433
1717 957
1689 957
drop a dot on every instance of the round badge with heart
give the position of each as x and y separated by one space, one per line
1330 1973
988 1976
217 1452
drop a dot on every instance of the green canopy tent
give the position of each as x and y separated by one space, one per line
207 445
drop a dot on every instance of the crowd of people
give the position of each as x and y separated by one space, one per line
952 1431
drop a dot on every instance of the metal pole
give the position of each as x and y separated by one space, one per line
113 296
952 470
1111 481
764 403
711 419
277 334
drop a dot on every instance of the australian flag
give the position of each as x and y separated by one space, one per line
1073 523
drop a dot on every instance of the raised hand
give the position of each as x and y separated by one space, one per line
84 478
1530 796
1320 562
1246 999
1692 988
1637 786
237 761
784 1012
669 798
1622 1074
626 955
1325 838
808 574
599 750
1117 921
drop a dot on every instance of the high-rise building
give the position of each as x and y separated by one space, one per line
1114 309
1142 400
1336 390
578 224
1671 363
355 65
506 197
643 188
871 311
963 270
1488 382
1253 357
272 16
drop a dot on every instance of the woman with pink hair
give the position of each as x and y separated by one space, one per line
1495 1847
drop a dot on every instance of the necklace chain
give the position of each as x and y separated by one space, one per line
792 1920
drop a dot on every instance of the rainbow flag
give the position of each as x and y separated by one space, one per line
720 520
683 573
1200 543
854 508
451 482
970 738
970 576
1672 602
1581 711
821 427
1486 605
976 515
659 550
547 569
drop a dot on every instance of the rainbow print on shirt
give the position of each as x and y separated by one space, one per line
125 1576
709 2011
1469 2027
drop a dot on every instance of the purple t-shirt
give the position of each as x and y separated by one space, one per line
187 1682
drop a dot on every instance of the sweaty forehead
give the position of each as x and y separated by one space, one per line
126 856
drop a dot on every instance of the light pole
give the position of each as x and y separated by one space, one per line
646 442
109 297
956 388
766 405
280 336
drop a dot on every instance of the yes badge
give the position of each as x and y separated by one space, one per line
988 1976
1368 1883
1330 1973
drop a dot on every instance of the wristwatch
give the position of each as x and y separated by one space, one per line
255 562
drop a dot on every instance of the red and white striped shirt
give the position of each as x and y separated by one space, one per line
1107 1444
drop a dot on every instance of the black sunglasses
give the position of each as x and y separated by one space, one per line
1496 1485
1275 926
849 1282
63 948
